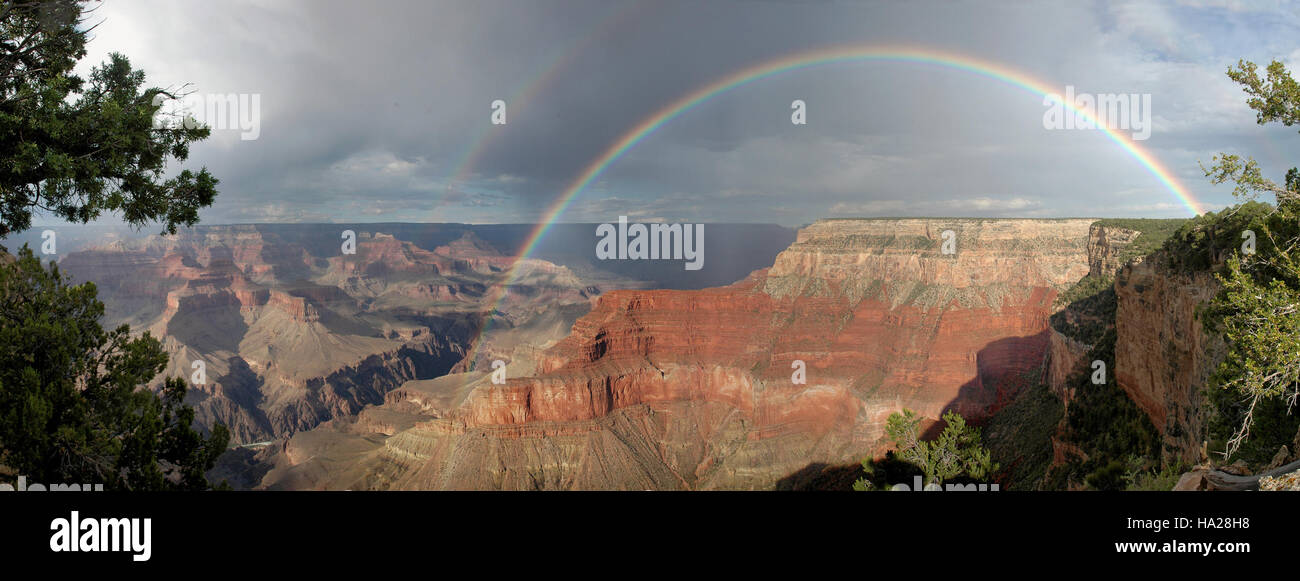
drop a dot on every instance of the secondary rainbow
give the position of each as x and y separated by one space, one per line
522 97
821 57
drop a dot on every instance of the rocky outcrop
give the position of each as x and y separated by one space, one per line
697 389
1289 481
1105 247
1065 356
1162 354
287 339
907 254
1207 479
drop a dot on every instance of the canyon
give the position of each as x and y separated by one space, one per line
1163 355
280 327
286 338
665 389
373 370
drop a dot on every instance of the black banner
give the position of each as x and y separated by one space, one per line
305 531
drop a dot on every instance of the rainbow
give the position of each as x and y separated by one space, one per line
797 61
463 169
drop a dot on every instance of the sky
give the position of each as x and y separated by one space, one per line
382 111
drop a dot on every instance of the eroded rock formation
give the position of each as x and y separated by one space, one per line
288 338
1163 355
694 389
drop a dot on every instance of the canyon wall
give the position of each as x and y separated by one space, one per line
650 388
288 339
1162 354
695 389
1105 246
1066 354
1065 357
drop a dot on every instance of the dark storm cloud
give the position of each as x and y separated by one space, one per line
369 109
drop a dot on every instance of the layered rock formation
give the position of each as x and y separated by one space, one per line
288 338
1163 356
694 389
1106 245
1065 356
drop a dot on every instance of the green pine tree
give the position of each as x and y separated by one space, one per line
1258 309
73 407
957 452
75 147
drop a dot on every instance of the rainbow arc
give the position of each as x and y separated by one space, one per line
803 60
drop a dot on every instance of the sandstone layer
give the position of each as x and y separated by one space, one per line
1106 245
1163 355
290 333
697 389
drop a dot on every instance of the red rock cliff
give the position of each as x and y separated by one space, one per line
693 389
1162 354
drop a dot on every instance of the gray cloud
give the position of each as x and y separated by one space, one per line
369 110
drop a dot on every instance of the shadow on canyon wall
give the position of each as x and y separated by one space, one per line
1001 369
